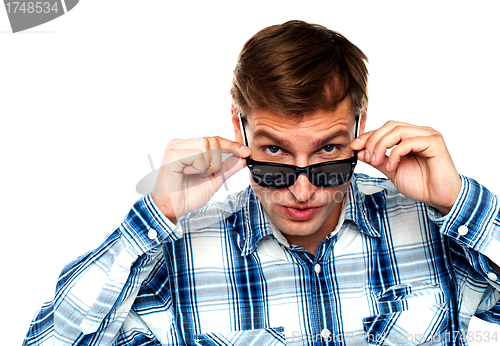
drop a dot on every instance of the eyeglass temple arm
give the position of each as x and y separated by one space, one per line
242 127
357 123
356 133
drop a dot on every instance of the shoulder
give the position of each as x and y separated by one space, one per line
380 195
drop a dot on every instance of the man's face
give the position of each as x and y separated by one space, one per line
302 209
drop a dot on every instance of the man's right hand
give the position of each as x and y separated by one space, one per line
192 171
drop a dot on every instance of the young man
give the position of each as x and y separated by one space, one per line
309 254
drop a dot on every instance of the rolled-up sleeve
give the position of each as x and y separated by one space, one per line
94 293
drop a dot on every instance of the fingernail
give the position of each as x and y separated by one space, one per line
373 157
356 142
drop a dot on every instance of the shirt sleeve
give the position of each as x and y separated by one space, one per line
94 294
473 225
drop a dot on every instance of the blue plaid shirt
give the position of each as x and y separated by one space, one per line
395 272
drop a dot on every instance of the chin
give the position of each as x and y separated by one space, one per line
298 232
297 228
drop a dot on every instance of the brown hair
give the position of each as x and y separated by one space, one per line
297 68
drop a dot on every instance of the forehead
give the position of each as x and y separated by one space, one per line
319 121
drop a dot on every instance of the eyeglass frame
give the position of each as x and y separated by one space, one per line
301 170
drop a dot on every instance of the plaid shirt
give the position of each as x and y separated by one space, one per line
396 272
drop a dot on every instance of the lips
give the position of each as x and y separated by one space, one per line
300 214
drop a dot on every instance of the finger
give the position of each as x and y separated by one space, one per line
394 138
226 145
191 161
365 143
421 146
211 147
216 161
186 161
214 156
207 155
229 146
391 134
380 131
382 167
361 142
376 136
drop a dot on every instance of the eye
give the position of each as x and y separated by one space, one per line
272 149
329 148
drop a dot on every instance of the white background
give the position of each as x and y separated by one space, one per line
85 98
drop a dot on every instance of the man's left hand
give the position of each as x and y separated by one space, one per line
419 164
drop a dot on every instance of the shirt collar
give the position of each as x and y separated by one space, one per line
364 201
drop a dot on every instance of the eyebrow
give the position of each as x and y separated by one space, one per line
317 143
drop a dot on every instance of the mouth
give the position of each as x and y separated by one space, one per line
301 214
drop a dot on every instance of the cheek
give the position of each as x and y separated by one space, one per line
269 197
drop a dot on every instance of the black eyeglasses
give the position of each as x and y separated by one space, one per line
326 174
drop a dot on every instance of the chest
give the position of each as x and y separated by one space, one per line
358 288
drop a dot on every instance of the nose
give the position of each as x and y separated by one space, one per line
302 189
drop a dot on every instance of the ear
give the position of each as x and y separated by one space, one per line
362 122
236 124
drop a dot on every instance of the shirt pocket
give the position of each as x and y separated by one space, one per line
261 337
409 314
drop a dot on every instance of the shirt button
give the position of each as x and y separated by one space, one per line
152 234
325 333
317 268
463 230
492 276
